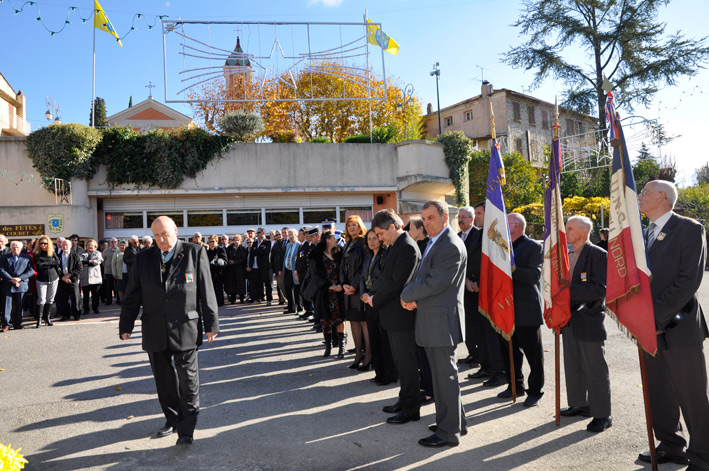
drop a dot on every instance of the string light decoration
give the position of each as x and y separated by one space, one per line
26 178
75 10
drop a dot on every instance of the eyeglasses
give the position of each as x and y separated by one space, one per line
43 243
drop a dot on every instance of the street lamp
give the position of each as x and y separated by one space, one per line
437 72
52 110
408 93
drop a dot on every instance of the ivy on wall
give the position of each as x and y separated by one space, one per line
456 150
160 158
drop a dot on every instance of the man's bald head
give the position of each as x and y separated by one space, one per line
165 232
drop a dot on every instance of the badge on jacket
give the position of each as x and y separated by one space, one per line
584 277
189 278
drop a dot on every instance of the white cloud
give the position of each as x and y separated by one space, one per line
327 3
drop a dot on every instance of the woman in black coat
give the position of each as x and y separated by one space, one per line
324 271
350 272
235 276
217 263
47 266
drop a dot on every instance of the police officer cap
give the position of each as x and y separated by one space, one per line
314 230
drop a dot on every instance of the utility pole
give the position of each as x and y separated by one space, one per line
437 72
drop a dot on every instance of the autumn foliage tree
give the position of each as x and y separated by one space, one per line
339 112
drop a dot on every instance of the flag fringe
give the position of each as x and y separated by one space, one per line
635 289
627 332
505 336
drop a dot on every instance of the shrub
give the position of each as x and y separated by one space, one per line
242 126
324 140
456 149
291 137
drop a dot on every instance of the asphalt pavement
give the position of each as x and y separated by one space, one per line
75 397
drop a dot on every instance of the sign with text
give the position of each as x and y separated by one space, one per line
22 230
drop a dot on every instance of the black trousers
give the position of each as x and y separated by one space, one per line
382 360
177 381
218 283
288 286
403 349
472 328
527 340
490 354
266 283
91 290
68 299
108 289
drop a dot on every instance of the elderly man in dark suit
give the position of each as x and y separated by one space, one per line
527 337
466 217
677 374
396 270
15 271
68 289
588 387
261 268
173 284
436 291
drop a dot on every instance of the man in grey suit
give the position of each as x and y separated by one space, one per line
436 291
172 282
677 374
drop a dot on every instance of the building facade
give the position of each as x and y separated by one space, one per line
523 123
12 111
150 114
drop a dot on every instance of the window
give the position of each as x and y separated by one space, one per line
282 216
580 127
518 145
516 113
120 220
467 116
569 127
204 218
316 216
545 119
365 212
243 218
448 121
178 217
530 115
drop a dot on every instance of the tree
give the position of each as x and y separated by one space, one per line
694 202
308 120
99 113
644 153
701 175
523 185
622 40
130 102
240 125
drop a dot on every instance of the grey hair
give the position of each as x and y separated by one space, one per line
519 219
668 188
582 221
467 209
441 207
147 238
134 237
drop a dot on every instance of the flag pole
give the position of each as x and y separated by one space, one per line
369 90
616 142
557 359
513 381
93 74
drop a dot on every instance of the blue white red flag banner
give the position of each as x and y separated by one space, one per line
628 295
496 299
555 269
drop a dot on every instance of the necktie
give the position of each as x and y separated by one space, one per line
651 234
463 235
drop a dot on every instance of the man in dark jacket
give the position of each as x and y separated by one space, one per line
172 283
397 269
129 254
261 268
15 271
278 253
588 387
68 289
527 337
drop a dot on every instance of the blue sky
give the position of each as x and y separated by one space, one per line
466 37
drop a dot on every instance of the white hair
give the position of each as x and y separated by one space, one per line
467 209
668 188
519 219
148 239
582 221
134 237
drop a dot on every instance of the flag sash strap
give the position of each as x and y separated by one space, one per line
628 295
496 298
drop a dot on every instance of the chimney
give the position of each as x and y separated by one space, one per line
429 108
486 89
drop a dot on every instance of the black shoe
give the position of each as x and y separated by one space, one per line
480 374
251 301
425 400
96 311
507 393
434 441
663 457
365 367
392 409
532 400
281 303
383 382
496 381
574 411
184 440
402 418
355 364
434 428
598 425
166 430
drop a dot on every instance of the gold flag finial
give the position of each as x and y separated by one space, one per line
492 122
556 118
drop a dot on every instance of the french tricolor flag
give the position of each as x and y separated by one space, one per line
555 269
628 294
496 299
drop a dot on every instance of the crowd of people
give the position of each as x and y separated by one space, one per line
409 294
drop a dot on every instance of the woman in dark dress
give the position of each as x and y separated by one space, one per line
217 262
350 271
235 282
382 359
324 271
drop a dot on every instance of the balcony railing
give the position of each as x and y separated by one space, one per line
16 123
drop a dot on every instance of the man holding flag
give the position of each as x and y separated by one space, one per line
677 374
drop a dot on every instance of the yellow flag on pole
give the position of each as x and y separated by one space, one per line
376 36
102 22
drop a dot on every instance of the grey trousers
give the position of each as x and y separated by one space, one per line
677 381
450 415
587 379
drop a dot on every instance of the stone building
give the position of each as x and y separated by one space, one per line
522 123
